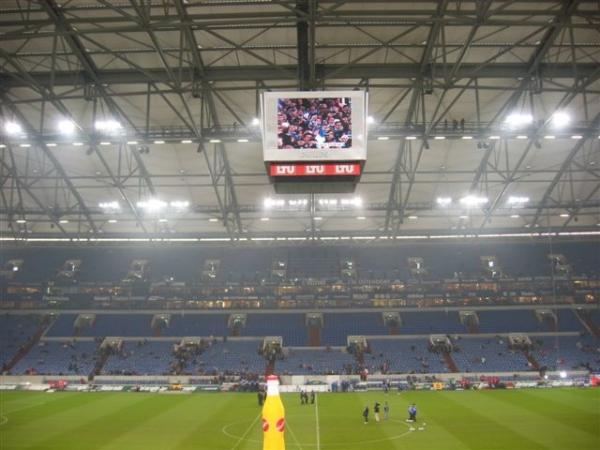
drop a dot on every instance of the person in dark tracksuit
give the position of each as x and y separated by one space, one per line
366 414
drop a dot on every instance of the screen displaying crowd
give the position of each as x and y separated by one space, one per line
318 123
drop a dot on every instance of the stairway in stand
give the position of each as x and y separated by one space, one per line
531 360
270 369
314 336
102 358
588 323
450 363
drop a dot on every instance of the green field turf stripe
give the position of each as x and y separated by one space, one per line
579 400
101 426
495 431
555 414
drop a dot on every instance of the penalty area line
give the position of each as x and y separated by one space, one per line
246 432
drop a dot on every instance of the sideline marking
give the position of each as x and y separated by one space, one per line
317 417
243 436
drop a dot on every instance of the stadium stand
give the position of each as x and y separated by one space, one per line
15 332
337 327
230 358
197 325
488 355
289 326
567 352
431 322
299 361
141 358
59 358
403 356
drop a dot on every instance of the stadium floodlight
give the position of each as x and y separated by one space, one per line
159 142
179 204
66 126
255 121
514 216
316 219
242 140
2 146
383 138
354 201
163 220
516 200
77 144
104 143
467 138
463 217
564 215
107 126
25 145
214 141
439 138
411 138
576 136
301 203
473 200
21 221
264 219
112 220
560 119
517 120
132 142
186 141
494 138
521 136
152 205
563 374
413 217
63 221
12 128
444 201
549 136
109 206
269 203
361 218
51 144
213 219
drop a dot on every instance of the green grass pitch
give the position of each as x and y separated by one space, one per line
487 420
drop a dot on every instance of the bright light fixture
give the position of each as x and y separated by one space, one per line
563 374
159 142
317 218
516 200
467 138
104 143
132 142
214 141
273 202
21 221
577 136
255 121
63 221
51 144
370 119
66 126
109 205
443 201
494 138
264 219
413 217
186 141
560 119
107 126
549 136
564 215
411 138
521 136
12 128
463 217
516 120
361 218
77 144
473 200
2 146
112 220
179 204
242 140
25 145
514 216
152 205
213 219
383 138
439 138
163 220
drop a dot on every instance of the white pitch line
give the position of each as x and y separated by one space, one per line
246 433
317 420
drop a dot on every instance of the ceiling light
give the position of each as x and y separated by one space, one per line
514 216
577 136
109 205
383 138
463 217
12 128
560 119
21 221
550 136
255 121
63 221
214 141
51 144
564 215
370 119
163 220
25 145
213 219
494 138
443 201
152 205
186 141
515 200
178 204
112 220
317 218
411 138
132 142
264 219
515 120
472 200
467 138
439 138
159 142
413 217
361 218
77 144
66 126
521 136
2 146
242 140
104 143
107 126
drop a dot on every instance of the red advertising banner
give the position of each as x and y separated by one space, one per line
312 170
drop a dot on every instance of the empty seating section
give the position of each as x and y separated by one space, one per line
141 358
58 358
63 326
503 321
289 326
15 331
197 325
568 321
315 362
488 355
313 263
125 325
403 356
231 357
431 322
567 352
337 327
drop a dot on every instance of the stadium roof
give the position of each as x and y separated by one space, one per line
183 78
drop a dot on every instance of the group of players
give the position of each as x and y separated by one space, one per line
412 412
314 123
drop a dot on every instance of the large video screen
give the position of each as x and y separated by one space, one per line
314 126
